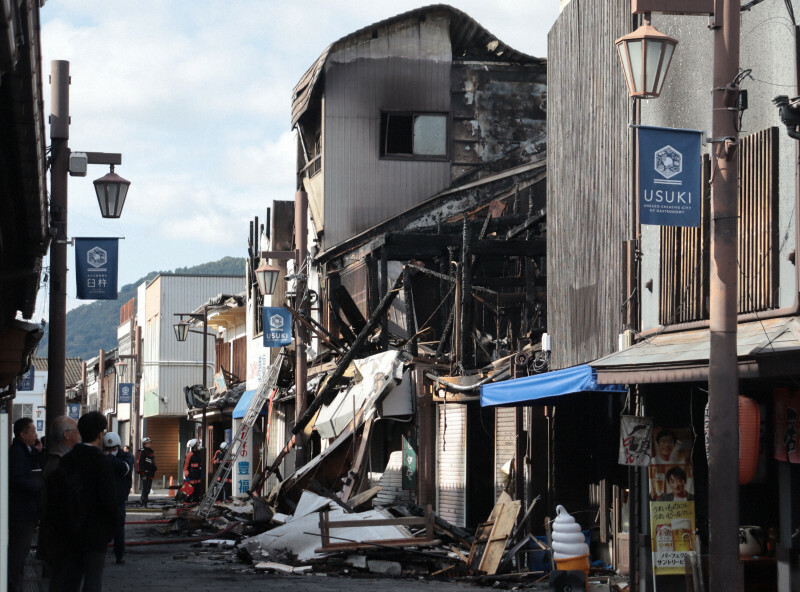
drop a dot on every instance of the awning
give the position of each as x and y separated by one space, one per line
243 404
578 379
764 348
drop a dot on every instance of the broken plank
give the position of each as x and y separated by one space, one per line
498 539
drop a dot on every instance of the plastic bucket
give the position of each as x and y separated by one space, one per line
580 563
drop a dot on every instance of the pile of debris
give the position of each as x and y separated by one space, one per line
327 536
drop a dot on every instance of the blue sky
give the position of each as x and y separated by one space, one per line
195 95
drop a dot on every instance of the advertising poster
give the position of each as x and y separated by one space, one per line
672 534
672 516
787 423
635 435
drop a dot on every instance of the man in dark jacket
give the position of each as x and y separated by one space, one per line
146 467
82 506
122 464
64 435
24 488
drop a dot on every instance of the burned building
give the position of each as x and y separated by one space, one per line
421 150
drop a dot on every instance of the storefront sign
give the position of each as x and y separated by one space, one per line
126 392
25 382
670 173
634 446
410 459
277 326
96 268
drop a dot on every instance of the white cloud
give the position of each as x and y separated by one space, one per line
196 95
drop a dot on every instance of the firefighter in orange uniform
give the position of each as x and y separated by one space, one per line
193 469
219 456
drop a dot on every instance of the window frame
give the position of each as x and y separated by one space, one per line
385 116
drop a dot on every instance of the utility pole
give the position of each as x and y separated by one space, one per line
55 401
723 371
302 306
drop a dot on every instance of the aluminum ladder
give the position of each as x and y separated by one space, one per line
268 382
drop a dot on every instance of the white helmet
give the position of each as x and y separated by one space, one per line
111 440
223 445
191 443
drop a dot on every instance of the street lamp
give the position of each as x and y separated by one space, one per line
267 278
723 369
111 191
63 163
182 331
645 55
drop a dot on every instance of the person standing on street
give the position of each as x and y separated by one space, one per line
81 499
25 486
146 467
193 469
219 456
65 436
122 464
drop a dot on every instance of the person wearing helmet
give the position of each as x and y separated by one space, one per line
193 468
122 464
219 456
146 467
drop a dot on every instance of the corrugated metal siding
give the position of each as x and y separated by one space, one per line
452 464
407 68
165 435
505 444
171 365
588 168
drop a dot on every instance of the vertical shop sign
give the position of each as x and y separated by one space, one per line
670 173
96 268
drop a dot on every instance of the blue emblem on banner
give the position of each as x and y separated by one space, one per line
277 326
125 392
74 410
96 268
670 173
25 382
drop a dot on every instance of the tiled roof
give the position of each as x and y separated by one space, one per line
72 369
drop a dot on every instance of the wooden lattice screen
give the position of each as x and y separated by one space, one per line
685 252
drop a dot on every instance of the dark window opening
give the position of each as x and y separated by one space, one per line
415 135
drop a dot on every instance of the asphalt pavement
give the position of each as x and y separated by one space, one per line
157 560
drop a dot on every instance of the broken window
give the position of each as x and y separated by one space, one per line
414 134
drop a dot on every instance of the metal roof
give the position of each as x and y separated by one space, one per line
683 356
468 38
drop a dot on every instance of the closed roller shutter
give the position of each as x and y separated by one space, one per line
165 436
505 434
451 465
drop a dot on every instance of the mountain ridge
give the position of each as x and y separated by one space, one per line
93 326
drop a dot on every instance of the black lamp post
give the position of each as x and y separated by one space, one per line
63 163
182 331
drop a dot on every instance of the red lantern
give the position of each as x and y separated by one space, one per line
749 434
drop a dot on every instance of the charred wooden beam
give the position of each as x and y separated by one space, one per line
407 246
326 395
344 302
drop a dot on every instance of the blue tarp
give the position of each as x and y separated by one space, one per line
578 379
244 402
